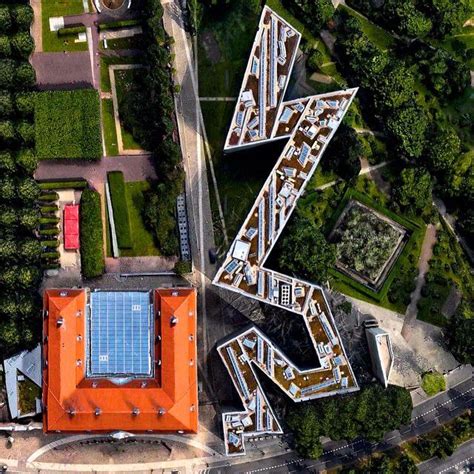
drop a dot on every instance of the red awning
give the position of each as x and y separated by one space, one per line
71 227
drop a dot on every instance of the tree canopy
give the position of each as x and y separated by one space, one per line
413 190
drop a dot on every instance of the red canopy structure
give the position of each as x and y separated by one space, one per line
71 227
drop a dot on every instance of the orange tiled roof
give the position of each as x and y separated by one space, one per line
167 402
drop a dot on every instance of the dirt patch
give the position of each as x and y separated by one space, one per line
211 47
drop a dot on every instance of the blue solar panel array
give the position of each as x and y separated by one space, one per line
120 334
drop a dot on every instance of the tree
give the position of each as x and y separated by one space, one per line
8 217
26 131
7 132
304 422
413 190
23 44
25 76
7 163
5 19
460 333
407 126
443 150
343 153
6 104
27 160
447 15
7 188
5 46
28 218
7 249
7 73
10 336
28 190
30 250
298 253
22 16
28 277
405 19
25 103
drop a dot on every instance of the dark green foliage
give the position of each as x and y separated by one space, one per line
74 184
7 132
315 13
28 190
460 333
5 46
369 413
26 159
67 124
413 190
25 76
5 19
447 15
22 45
25 103
22 16
182 267
50 196
6 104
343 153
408 128
26 132
297 254
7 163
118 195
91 234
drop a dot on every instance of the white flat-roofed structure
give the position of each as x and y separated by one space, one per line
308 124
381 353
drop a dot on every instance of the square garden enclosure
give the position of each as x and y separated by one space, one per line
367 244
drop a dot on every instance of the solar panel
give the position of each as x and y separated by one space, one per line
120 333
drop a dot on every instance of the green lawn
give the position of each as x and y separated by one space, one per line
108 124
51 40
142 240
28 392
67 124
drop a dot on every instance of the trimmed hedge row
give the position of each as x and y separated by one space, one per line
67 125
91 234
118 195
75 184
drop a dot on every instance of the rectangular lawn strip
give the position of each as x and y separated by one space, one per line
108 125
67 124
142 240
120 207
91 234
52 42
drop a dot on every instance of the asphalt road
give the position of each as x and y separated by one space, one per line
425 417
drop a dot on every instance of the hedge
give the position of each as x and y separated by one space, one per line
50 243
118 24
49 197
50 255
76 184
118 195
67 124
47 209
72 30
49 220
49 232
91 235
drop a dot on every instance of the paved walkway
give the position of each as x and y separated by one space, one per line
36 27
151 264
423 267
134 168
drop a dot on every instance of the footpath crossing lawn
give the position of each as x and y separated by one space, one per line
52 42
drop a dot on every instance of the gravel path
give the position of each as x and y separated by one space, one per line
36 27
423 266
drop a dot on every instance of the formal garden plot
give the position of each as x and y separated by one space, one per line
367 243
67 125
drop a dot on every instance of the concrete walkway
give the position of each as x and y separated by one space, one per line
134 168
423 267
152 264
36 27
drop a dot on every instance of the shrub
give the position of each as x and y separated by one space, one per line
22 16
118 195
7 73
27 160
28 190
7 188
50 255
7 163
432 383
91 235
50 243
28 218
7 132
68 124
49 220
5 19
182 267
49 232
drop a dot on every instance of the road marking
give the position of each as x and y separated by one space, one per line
456 465
276 466
218 99
442 404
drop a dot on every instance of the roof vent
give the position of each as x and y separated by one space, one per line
136 411
79 337
158 338
45 313
180 432
191 362
95 384
174 293
45 340
161 411
192 408
63 293
79 313
71 412
173 320
191 337
158 362
97 411
78 362
143 384
59 321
